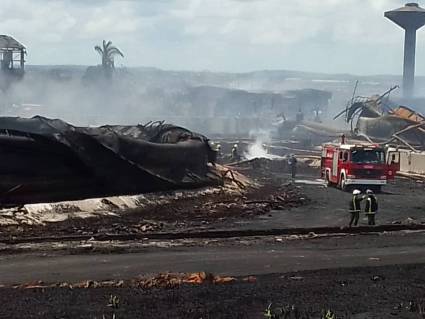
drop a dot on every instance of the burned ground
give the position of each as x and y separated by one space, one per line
371 292
374 292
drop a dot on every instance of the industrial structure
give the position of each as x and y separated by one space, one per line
12 61
411 17
12 55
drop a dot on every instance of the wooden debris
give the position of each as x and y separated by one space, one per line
162 280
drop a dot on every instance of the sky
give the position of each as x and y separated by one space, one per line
331 36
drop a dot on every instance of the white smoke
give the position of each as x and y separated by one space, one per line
259 148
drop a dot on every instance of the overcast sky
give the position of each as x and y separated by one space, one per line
333 36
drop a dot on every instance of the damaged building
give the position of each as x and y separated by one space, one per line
232 102
50 160
12 61
380 120
219 110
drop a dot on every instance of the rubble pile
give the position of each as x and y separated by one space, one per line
278 199
378 119
234 180
221 206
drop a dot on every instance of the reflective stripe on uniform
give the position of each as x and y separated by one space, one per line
354 205
370 207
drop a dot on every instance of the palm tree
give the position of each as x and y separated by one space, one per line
108 52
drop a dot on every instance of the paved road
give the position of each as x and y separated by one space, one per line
259 257
400 202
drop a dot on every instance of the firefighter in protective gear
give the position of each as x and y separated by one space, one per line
355 207
299 117
235 153
218 150
292 162
371 207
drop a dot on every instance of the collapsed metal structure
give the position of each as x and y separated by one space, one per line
50 160
377 120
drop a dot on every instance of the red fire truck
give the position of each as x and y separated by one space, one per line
361 165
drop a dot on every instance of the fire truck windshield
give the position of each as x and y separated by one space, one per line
362 156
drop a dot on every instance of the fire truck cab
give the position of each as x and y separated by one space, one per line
362 165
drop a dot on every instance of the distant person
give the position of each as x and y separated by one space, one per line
317 116
235 153
355 207
299 117
218 150
371 207
292 163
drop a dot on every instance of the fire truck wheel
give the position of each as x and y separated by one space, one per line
327 179
342 184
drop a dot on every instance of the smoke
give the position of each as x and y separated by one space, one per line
205 102
259 148
68 94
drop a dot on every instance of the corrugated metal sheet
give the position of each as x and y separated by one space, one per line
7 42
408 114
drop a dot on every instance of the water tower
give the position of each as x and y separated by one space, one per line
411 17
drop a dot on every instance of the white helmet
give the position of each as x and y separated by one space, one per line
369 191
356 192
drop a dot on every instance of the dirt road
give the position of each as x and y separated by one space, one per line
373 292
236 257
